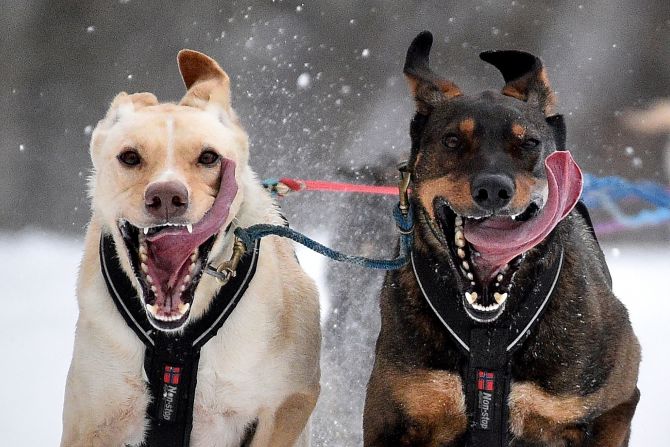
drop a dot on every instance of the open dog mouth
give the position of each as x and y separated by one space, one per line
168 283
488 251
484 298
168 259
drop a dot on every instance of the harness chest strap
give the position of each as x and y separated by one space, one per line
488 350
171 359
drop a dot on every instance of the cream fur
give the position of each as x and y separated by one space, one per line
264 358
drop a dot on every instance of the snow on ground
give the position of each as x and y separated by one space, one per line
38 272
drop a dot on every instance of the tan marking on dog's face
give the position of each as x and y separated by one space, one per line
454 188
169 139
467 127
528 188
518 131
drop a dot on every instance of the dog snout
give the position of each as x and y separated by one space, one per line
165 200
492 191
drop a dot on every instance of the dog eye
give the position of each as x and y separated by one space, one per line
530 143
451 141
129 157
208 158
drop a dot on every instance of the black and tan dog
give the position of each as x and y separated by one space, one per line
504 329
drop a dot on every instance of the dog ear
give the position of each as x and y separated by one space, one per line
123 103
557 123
428 88
525 76
205 81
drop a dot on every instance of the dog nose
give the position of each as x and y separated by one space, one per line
492 191
166 199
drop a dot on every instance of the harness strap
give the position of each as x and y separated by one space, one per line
171 358
488 348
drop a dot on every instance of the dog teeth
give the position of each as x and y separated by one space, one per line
154 289
499 277
150 280
144 268
461 253
153 309
187 278
143 257
459 239
146 230
471 297
500 297
458 221
183 307
189 227
466 266
471 276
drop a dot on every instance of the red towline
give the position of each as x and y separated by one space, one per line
321 185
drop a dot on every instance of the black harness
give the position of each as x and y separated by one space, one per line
171 359
488 348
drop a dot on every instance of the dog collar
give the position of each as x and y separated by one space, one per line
488 347
171 358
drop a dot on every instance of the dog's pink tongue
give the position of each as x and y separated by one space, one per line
170 249
499 240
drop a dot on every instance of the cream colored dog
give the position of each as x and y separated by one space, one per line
179 173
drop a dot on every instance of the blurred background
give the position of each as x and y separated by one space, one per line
319 88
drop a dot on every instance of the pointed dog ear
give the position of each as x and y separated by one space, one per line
428 88
206 82
525 76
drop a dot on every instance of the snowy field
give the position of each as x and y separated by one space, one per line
38 277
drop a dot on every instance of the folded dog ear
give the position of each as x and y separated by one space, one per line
124 103
428 88
205 80
525 76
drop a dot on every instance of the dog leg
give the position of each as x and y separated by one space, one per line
287 425
612 428
416 408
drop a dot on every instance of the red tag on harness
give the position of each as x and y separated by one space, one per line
485 399
169 398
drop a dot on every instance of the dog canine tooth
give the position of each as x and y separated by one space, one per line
183 307
471 299
500 297
153 309
189 227
146 230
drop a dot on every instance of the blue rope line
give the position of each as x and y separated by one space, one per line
405 224
606 192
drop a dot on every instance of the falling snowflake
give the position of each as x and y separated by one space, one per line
304 81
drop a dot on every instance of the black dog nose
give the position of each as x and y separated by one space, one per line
166 199
492 191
